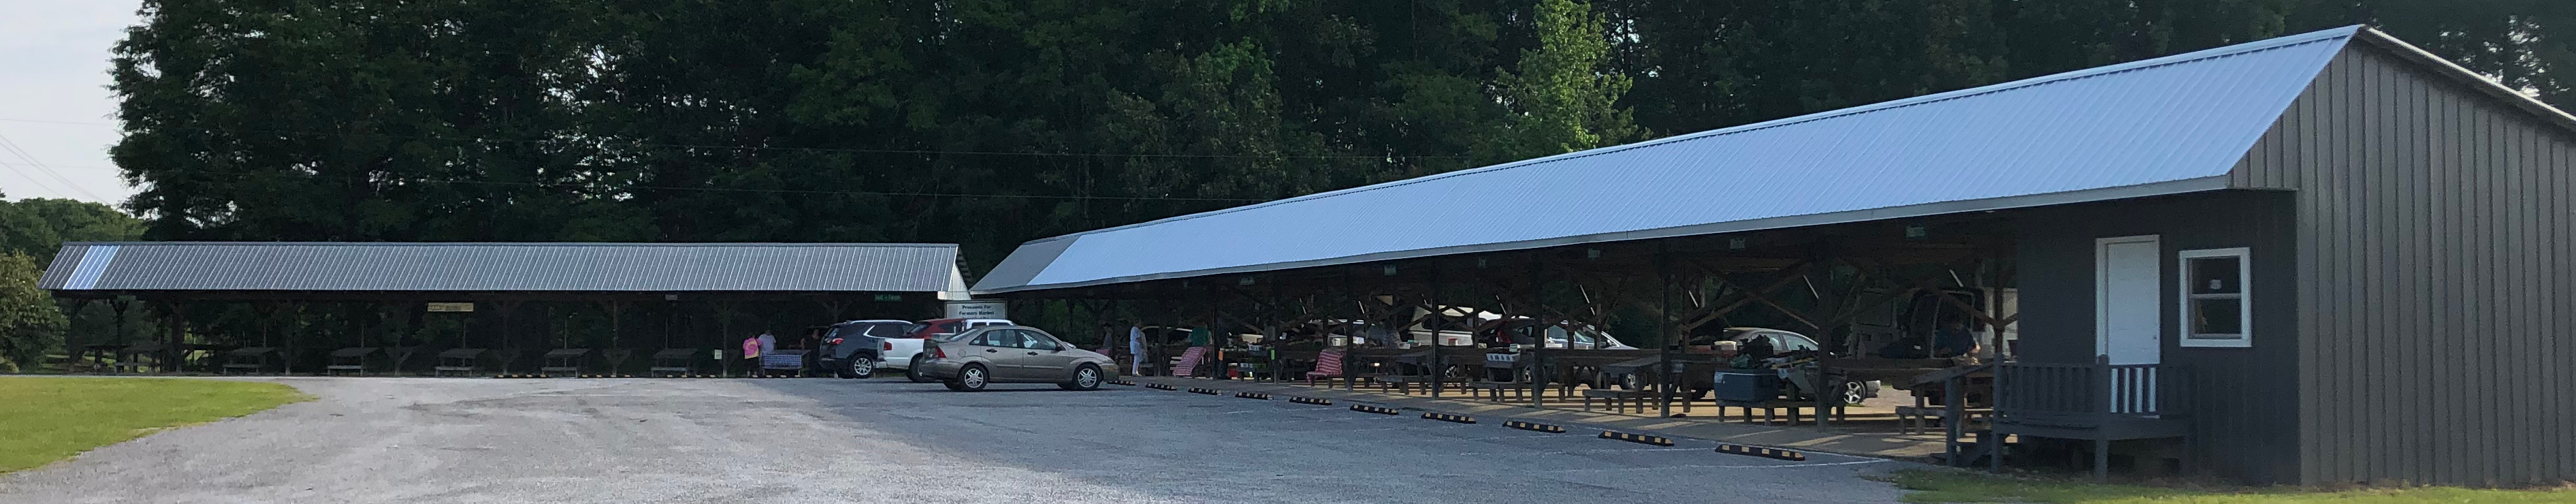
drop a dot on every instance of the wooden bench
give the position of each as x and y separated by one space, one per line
1913 419
1770 410
1617 398
1403 384
1496 389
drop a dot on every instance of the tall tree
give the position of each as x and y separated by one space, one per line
30 324
1562 97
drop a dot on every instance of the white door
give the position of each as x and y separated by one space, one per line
2129 299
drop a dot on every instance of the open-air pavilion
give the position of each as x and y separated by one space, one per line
2323 258
485 308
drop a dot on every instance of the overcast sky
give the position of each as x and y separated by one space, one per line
54 104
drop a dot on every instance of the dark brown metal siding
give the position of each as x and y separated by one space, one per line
2243 400
2435 224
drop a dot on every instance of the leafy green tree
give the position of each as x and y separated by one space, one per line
1562 98
30 324
37 227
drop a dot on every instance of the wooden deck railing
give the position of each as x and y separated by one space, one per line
2125 389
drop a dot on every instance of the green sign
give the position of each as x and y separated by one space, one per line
889 298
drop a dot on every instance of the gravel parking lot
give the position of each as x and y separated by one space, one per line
886 440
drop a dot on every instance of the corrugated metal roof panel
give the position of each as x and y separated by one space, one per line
581 267
2158 126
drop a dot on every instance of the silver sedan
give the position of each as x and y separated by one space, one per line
971 360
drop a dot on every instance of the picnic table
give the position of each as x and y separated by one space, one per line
567 361
1695 371
352 360
461 361
250 360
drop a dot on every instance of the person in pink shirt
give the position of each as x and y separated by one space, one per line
751 354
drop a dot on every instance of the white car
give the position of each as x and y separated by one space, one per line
903 353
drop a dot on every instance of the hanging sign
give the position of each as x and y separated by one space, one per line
452 307
978 308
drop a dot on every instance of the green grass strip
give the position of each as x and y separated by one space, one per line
47 419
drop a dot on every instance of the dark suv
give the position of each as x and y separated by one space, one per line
851 349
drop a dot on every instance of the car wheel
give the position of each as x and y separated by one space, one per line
1630 381
915 372
970 379
860 367
1086 377
1855 392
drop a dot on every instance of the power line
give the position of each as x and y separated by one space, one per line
12 147
31 179
812 149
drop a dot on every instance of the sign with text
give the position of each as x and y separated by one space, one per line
452 307
978 308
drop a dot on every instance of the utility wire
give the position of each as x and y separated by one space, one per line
13 168
12 147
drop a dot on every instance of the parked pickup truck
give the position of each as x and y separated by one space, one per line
854 349
904 352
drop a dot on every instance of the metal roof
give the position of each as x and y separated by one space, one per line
570 267
2161 126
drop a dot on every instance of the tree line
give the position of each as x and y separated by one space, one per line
992 122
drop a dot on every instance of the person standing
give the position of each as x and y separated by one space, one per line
751 354
1136 349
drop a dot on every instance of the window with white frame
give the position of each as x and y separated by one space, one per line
2217 303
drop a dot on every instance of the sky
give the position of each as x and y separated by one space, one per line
56 115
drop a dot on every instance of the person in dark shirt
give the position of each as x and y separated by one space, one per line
1953 340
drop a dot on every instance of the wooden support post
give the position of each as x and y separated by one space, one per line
175 324
1668 374
1439 362
1350 368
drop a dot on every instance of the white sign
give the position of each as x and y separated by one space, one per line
451 307
979 308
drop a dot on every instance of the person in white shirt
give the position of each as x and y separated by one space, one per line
1136 349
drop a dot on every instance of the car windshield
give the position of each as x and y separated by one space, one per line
890 329
946 337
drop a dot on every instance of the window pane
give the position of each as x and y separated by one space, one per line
2216 275
1034 341
2218 317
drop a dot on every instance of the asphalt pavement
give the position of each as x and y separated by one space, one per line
887 440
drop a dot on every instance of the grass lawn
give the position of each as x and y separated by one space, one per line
1947 486
49 419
